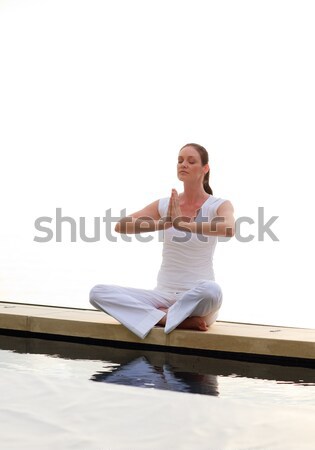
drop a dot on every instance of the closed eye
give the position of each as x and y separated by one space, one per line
189 162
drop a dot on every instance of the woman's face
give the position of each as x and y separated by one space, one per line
189 166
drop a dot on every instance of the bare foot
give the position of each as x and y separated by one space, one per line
191 323
162 322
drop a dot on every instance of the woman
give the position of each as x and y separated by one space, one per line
186 295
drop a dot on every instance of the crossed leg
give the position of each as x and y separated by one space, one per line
196 309
140 310
191 323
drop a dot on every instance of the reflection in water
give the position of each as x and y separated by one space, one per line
142 372
171 371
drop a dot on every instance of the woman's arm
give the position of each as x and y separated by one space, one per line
147 219
221 225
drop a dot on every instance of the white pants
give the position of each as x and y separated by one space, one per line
137 309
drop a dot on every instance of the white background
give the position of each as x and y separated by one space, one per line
97 98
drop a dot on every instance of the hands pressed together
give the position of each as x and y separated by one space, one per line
174 217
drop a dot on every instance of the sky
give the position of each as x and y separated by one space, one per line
97 98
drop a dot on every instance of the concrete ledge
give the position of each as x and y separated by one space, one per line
227 337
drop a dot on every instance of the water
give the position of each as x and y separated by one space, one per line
61 395
268 384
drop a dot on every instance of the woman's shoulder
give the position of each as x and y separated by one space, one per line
213 203
212 200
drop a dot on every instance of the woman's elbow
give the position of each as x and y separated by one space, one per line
122 225
117 227
228 231
231 232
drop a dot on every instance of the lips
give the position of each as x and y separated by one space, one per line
182 171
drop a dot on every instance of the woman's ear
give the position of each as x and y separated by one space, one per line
206 168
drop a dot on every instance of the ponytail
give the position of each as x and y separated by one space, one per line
206 185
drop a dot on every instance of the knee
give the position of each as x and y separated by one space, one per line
95 293
212 292
92 295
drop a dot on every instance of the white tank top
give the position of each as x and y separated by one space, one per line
187 257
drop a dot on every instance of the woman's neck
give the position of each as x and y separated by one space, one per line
193 194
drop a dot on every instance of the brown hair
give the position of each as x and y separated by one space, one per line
204 160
